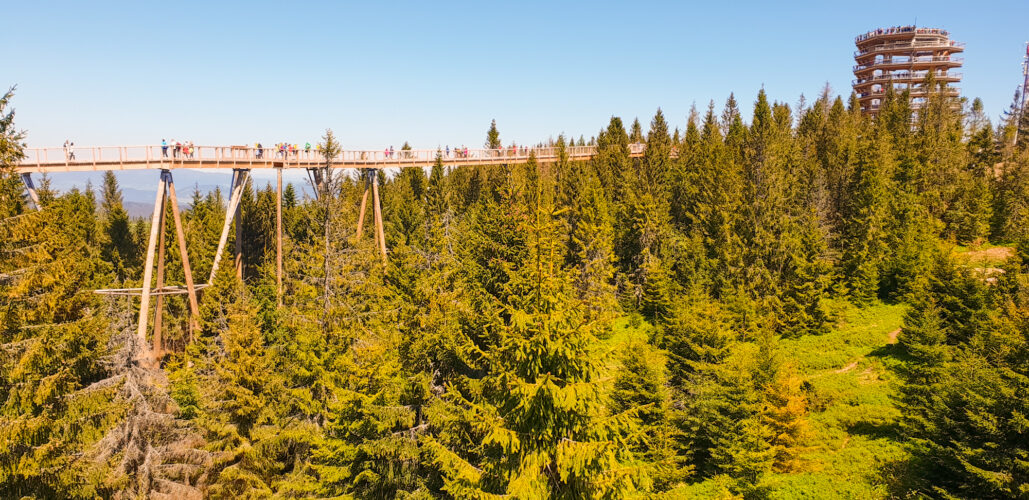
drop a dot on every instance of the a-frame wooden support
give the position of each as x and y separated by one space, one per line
239 177
371 184
238 253
146 356
278 234
31 189
180 233
364 206
159 309
165 193
315 175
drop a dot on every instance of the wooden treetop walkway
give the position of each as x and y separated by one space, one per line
241 159
99 158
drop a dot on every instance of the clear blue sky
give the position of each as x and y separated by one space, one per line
432 73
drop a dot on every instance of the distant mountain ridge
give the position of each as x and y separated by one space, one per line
138 187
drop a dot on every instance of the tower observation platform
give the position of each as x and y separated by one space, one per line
903 56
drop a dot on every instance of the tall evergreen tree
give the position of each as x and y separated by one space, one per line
535 415
493 136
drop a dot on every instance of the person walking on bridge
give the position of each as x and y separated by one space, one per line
164 148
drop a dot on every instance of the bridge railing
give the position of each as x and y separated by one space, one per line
157 156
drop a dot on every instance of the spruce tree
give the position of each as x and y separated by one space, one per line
866 241
636 132
493 136
12 201
119 249
56 343
641 389
535 414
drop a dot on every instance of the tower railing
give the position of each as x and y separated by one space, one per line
916 75
932 44
900 30
911 61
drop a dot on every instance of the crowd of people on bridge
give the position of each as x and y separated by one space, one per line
286 150
461 152
283 150
179 150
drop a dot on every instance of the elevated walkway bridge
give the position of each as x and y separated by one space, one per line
84 159
241 160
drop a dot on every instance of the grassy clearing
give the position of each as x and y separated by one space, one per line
852 385
851 382
986 255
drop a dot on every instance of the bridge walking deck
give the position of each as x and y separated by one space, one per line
98 158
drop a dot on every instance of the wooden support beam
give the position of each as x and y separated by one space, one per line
239 236
278 233
31 188
158 348
148 269
364 205
378 219
180 233
234 197
316 178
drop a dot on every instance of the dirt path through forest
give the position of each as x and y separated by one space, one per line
891 338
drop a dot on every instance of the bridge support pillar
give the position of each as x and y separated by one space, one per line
180 233
278 234
317 177
378 218
159 303
371 185
239 177
146 356
31 189
364 206
165 194
238 253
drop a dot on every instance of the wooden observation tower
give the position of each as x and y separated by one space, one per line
904 56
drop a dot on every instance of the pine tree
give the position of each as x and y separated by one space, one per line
240 393
865 247
640 389
11 151
656 157
612 159
925 340
404 207
965 431
536 406
785 415
493 136
712 203
118 248
636 132
55 338
590 247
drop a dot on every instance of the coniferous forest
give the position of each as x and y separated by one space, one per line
809 304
